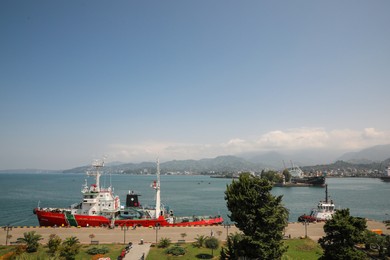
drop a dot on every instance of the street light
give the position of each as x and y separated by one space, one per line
124 228
7 229
305 223
227 226
156 227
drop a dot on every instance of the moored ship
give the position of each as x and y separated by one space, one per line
324 211
298 179
100 207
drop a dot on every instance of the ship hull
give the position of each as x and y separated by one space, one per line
50 219
385 178
310 181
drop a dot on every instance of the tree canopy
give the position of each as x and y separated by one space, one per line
343 232
31 239
259 215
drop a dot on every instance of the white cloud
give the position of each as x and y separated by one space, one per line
279 140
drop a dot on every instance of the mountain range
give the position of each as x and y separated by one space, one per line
253 162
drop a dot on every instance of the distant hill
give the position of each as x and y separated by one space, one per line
33 171
376 153
218 164
255 161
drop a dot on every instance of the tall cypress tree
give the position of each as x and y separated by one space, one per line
259 215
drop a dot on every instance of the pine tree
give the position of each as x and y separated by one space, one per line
259 215
343 232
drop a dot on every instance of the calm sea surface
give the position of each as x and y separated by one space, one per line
186 195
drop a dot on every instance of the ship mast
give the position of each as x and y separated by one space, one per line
158 202
96 173
326 193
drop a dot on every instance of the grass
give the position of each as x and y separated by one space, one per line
298 249
191 253
306 249
115 251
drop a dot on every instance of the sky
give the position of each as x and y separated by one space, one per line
137 80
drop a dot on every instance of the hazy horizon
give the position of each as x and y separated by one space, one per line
136 80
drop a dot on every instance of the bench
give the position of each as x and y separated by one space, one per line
94 242
13 242
181 241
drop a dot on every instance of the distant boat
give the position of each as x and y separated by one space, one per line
386 176
298 179
324 211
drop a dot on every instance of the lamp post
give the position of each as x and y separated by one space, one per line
305 223
156 227
227 226
7 229
124 228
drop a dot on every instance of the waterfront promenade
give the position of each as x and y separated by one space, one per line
149 235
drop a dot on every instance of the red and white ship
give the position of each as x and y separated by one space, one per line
100 207
324 211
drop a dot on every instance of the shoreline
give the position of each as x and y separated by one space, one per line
148 234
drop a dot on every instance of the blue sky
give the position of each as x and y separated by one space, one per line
136 80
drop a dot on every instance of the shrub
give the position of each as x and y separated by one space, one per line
176 251
164 242
98 250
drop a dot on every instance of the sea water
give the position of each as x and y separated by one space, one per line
185 195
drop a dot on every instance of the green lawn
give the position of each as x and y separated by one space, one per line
191 253
298 249
302 249
115 251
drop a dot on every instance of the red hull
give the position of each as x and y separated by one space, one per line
48 218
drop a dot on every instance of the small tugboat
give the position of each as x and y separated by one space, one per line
324 211
100 207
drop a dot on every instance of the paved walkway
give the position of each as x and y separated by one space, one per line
150 235
138 251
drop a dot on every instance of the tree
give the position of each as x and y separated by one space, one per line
70 248
287 175
272 176
259 215
233 248
342 233
212 243
91 236
54 243
199 241
183 235
164 242
31 240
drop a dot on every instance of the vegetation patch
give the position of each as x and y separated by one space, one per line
98 250
175 250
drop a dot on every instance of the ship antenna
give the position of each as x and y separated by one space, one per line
326 193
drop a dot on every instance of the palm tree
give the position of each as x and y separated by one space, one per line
70 248
199 240
71 241
31 240
54 243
